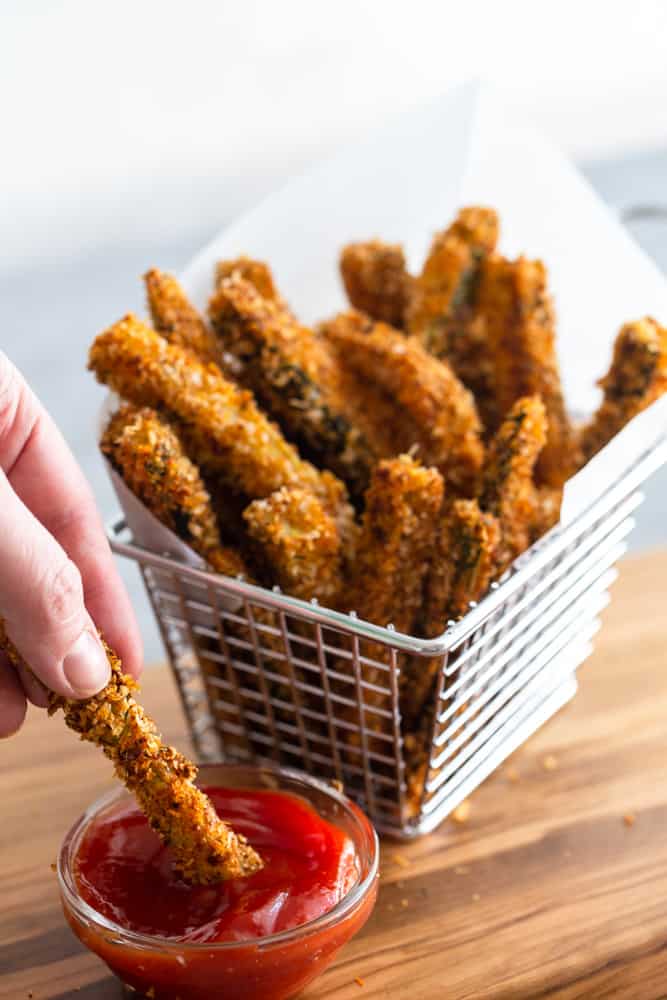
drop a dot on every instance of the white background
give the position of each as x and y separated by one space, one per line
133 116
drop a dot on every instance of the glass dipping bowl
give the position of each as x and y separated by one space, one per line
277 966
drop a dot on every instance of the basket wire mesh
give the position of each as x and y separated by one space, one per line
266 677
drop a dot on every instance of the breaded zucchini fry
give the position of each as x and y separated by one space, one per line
517 312
376 280
403 504
441 311
507 489
462 567
300 543
146 452
205 849
294 374
636 378
176 318
219 423
440 407
257 273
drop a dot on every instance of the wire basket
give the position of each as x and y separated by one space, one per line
265 677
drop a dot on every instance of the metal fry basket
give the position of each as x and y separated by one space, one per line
265 677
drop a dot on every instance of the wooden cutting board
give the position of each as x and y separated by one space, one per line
556 885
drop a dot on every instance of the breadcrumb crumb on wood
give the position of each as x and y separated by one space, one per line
205 850
550 763
176 318
359 981
441 409
630 819
461 814
376 280
636 378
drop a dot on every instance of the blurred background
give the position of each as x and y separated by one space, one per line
131 133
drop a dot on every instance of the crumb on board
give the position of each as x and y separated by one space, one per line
405 904
513 775
629 819
400 860
336 785
550 763
461 870
462 812
53 866
476 897
359 981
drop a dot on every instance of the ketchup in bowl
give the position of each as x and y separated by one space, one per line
265 936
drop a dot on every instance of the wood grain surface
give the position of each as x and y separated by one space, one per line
555 886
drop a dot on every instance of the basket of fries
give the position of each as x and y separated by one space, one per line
377 547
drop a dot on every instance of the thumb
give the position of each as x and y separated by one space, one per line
41 600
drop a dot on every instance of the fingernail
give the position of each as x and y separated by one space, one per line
86 666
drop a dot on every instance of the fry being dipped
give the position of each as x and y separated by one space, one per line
205 850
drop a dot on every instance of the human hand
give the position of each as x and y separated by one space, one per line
58 581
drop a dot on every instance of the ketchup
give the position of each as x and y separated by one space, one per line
205 942
125 873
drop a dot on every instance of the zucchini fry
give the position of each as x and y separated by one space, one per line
441 409
507 489
300 543
517 313
441 311
462 567
294 374
176 318
219 423
547 514
398 532
257 273
148 455
205 849
376 280
636 378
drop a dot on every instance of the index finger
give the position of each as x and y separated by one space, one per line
44 474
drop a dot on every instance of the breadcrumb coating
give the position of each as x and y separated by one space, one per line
294 375
547 513
462 567
258 273
205 850
507 489
441 311
399 526
176 318
636 378
376 280
219 423
148 455
517 313
441 408
300 543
